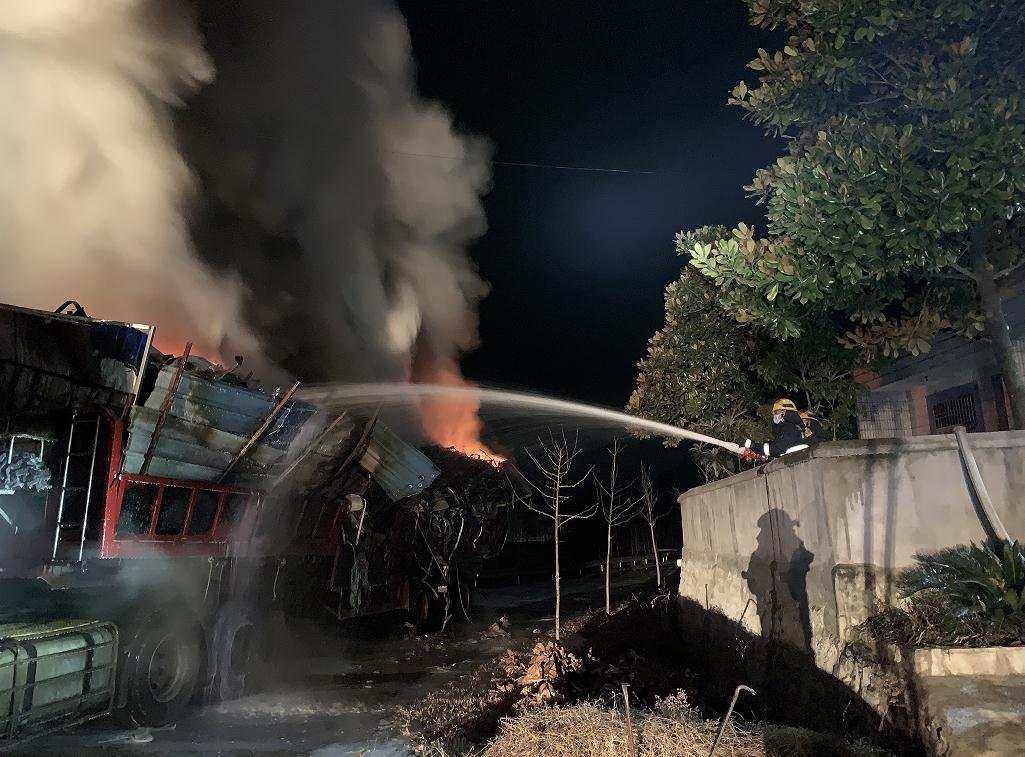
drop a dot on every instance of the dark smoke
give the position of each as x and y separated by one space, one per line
310 148
319 235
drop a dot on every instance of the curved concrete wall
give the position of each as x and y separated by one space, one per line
801 548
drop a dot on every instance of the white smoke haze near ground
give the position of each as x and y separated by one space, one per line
93 188
330 147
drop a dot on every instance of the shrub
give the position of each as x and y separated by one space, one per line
961 596
973 581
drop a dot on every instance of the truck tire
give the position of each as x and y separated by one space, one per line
233 648
162 659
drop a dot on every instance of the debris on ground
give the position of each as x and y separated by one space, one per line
497 629
142 735
672 729
551 699
540 677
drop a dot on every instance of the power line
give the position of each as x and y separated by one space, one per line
570 168
552 166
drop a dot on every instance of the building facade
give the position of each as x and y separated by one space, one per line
956 383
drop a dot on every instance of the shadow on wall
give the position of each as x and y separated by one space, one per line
779 664
777 576
791 689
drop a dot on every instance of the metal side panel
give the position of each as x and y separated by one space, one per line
226 407
193 446
400 469
53 362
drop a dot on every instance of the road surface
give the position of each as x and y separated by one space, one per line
340 690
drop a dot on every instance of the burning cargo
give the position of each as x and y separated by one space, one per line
159 518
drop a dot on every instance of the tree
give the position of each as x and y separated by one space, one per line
899 202
617 509
553 465
707 371
817 372
649 510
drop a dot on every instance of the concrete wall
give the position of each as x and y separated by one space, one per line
801 548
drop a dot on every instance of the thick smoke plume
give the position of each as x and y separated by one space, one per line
92 189
334 205
344 199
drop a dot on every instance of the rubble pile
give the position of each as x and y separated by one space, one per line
541 678
551 674
476 482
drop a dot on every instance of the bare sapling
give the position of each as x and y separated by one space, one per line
553 462
617 510
649 510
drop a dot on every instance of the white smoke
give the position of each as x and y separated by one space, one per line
336 205
93 189
354 200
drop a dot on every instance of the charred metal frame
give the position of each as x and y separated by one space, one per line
214 543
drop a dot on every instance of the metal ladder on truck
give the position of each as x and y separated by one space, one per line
76 489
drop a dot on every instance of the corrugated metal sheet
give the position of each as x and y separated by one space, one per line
401 470
208 424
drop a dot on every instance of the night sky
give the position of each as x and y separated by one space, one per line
578 261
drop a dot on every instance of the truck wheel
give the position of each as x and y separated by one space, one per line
161 668
233 647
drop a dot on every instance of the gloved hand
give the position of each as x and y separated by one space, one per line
750 455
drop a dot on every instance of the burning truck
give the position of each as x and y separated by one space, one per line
160 521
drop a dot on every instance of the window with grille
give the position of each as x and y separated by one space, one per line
956 407
884 416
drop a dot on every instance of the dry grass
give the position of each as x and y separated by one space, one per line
673 730
467 709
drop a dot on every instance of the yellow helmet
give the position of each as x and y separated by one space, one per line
783 405
808 415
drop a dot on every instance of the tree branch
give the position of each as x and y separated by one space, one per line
897 63
1010 269
950 276
963 271
539 511
584 514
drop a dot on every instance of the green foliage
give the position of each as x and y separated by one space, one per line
973 580
711 373
961 596
907 131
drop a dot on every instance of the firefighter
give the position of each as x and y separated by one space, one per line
787 433
813 430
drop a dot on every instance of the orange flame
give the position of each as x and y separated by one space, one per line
453 421
170 343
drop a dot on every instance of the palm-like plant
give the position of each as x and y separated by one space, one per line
972 581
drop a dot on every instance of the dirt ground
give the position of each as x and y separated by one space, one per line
338 692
